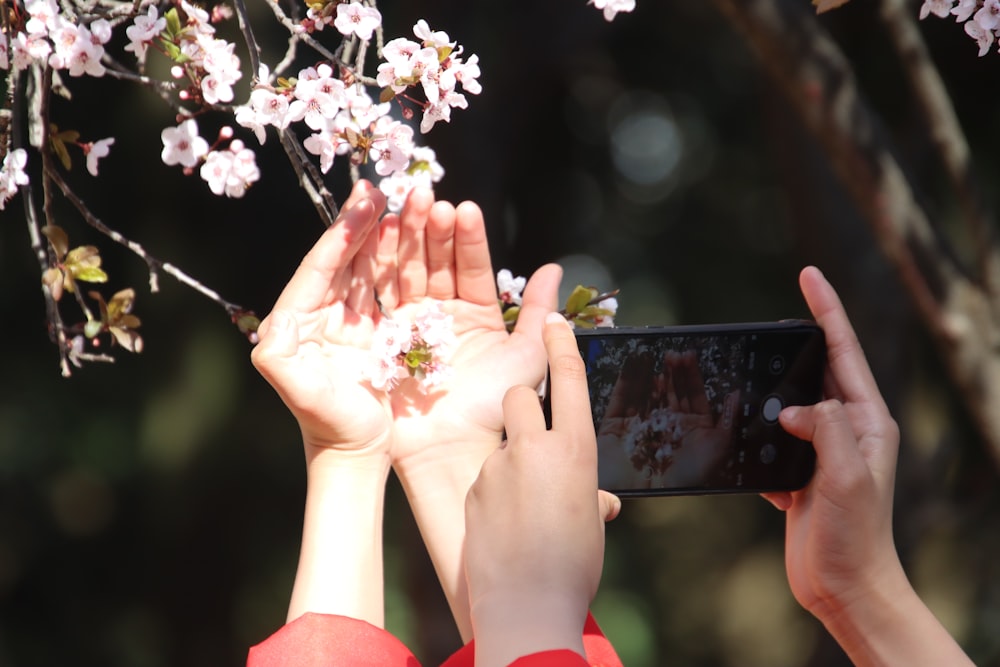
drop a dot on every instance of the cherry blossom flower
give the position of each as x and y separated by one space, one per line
12 174
509 288
392 145
965 9
610 304
95 151
939 8
317 97
230 172
144 29
988 16
431 38
182 145
982 36
45 17
612 7
420 349
355 18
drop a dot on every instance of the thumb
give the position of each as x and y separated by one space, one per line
278 340
609 505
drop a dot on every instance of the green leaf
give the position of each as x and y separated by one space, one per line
247 322
90 274
579 298
59 239
59 148
173 22
92 328
130 340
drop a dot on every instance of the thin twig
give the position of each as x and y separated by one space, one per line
154 265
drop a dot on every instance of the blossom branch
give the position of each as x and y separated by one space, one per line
818 82
153 264
945 132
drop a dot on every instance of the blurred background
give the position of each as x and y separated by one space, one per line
150 509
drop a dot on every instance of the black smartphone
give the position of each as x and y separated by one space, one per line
694 409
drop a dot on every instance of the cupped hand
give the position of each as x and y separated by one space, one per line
435 251
314 345
839 545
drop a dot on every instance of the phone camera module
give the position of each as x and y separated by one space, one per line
776 365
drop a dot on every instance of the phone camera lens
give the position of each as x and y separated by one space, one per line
777 364
768 453
771 409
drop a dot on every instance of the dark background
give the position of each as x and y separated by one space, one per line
150 510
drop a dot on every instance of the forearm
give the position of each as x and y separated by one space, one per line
436 491
893 626
340 563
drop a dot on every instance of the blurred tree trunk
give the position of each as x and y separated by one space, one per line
956 301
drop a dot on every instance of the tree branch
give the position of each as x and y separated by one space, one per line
815 77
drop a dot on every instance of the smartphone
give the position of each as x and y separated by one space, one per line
694 409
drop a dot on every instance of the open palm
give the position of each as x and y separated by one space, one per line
436 251
315 344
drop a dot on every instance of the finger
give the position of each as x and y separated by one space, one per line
522 412
412 256
386 269
541 295
361 291
850 370
781 500
278 338
610 505
694 384
827 426
671 360
316 282
568 378
440 240
475 281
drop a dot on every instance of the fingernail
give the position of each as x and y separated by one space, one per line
554 317
790 412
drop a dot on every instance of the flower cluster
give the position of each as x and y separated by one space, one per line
229 171
344 118
612 7
981 18
42 34
585 307
650 443
419 349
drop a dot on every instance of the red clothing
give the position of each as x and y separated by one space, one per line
325 640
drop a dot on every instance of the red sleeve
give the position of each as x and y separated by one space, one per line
323 640
600 653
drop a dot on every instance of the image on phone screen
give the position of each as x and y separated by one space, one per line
680 412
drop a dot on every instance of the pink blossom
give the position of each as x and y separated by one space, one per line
143 31
354 18
509 288
612 7
182 145
96 151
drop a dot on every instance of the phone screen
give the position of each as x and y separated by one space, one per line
690 410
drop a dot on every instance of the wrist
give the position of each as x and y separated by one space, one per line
371 459
340 560
516 625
